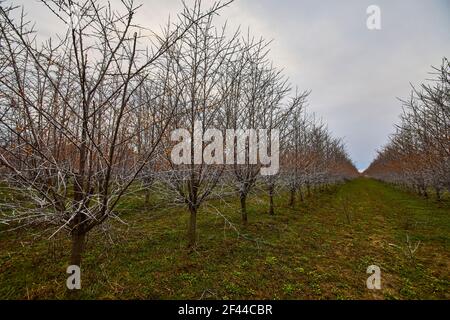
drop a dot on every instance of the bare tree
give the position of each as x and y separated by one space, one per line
418 155
195 67
71 110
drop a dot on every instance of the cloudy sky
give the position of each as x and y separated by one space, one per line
355 74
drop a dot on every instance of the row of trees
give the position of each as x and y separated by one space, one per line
87 117
418 154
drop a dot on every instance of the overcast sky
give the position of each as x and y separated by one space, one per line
355 74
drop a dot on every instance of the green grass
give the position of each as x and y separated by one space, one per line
318 250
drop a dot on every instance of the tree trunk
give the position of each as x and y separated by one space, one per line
301 193
78 243
271 207
423 191
243 198
192 231
438 193
292 198
147 198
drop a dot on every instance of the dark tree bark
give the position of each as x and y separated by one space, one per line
192 230
243 199
292 197
271 204
78 245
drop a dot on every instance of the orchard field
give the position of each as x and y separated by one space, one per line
182 162
319 249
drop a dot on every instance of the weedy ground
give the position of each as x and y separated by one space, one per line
319 249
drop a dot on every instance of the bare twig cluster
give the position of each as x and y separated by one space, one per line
418 155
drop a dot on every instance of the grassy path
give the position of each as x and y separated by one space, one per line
318 250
